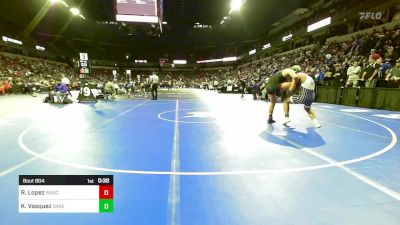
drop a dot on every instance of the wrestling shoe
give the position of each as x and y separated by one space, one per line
286 121
271 121
316 124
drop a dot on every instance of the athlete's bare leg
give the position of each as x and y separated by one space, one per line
272 102
291 88
286 109
311 114
313 117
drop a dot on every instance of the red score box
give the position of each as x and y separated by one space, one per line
106 192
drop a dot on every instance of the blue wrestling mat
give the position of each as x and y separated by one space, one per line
197 157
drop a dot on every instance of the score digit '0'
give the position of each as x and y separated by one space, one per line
103 180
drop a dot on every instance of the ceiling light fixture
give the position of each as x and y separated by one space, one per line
236 5
75 11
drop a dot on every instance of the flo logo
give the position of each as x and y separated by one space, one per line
370 15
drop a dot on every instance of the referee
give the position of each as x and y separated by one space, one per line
154 81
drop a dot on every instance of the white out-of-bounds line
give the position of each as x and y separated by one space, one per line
356 130
363 118
16 167
123 113
39 156
174 182
363 178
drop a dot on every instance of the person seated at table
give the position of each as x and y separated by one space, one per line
109 88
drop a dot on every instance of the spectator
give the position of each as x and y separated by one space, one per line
375 57
391 56
7 86
393 76
370 74
339 76
255 90
320 76
60 93
383 70
2 88
353 74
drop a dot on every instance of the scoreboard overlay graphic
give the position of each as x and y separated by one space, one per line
66 194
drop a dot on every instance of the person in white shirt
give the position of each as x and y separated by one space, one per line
353 74
154 81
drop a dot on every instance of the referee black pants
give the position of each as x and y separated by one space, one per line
154 90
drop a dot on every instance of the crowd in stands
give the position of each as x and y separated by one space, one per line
29 75
366 61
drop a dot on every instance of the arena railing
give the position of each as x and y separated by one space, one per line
374 98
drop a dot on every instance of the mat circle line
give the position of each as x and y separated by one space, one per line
215 173
179 121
